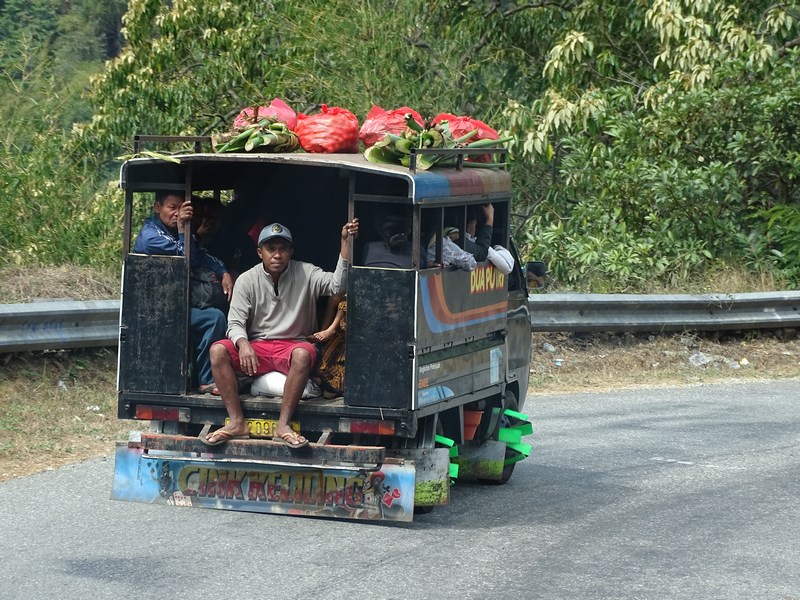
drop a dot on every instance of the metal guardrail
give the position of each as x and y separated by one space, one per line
656 313
58 324
73 324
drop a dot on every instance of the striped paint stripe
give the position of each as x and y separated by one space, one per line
445 183
439 316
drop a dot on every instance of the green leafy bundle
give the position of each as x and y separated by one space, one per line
268 135
396 149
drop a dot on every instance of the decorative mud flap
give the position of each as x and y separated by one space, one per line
487 459
483 461
512 436
386 492
432 474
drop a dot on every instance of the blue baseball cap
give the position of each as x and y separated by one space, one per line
276 230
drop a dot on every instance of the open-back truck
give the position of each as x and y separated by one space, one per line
424 347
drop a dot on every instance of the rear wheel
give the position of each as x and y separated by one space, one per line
511 403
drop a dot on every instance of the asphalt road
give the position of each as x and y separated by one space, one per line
656 493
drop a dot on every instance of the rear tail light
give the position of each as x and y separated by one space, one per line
148 412
372 426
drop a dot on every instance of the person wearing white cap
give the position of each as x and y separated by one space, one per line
272 314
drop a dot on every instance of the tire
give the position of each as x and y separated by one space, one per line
508 470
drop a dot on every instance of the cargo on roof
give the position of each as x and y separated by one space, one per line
212 171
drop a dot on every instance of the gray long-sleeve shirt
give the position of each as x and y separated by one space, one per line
262 310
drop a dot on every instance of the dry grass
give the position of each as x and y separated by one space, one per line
27 284
57 408
606 361
725 280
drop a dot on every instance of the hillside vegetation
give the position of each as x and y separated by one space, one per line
656 140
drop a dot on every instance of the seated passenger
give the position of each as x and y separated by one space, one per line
478 239
222 231
452 233
163 233
393 250
331 336
198 214
206 218
452 256
479 228
273 312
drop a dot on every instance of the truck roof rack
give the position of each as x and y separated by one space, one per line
458 153
197 140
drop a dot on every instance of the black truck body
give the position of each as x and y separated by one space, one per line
424 346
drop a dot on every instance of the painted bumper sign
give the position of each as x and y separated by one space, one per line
185 480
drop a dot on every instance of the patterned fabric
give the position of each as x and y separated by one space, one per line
452 255
331 368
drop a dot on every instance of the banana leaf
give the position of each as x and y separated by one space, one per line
382 154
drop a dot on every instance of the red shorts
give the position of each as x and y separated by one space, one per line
273 355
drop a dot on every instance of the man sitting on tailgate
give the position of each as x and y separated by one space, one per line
273 312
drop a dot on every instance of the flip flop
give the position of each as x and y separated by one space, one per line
291 439
222 436
207 388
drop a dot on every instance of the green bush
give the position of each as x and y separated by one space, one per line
710 175
51 212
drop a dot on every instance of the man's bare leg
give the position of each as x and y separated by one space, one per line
228 385
299 370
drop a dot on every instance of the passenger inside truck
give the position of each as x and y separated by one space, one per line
395 245
222 231
207 216
453 257
331 337
479 230
162 234
453 237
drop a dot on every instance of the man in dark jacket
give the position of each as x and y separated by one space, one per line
480 226
163 234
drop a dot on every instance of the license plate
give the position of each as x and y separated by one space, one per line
265 428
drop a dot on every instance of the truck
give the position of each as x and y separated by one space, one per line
428 349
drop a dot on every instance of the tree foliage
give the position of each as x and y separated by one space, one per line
669 137
55 207
654 137
189 66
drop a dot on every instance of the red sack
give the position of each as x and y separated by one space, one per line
463 125
277 108
332 130
379 122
